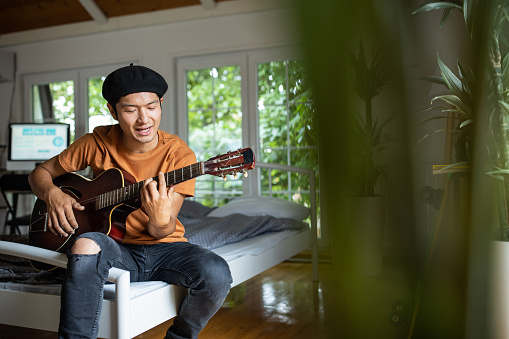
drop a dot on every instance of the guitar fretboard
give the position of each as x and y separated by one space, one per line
129 192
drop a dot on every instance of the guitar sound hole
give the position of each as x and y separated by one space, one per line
74 191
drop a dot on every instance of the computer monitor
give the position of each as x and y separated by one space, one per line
30 144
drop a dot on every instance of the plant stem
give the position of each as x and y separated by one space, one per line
369 189
498 121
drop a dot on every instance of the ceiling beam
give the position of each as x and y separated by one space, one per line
95 11
208 4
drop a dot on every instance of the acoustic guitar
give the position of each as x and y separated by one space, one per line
114 194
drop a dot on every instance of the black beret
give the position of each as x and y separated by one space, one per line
133 79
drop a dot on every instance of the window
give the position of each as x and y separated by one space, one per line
286 129
98 113
214 115
262 100
54 102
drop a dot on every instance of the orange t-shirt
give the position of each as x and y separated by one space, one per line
103 149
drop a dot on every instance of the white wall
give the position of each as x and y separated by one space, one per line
153 46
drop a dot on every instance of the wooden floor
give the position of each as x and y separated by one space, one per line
283 302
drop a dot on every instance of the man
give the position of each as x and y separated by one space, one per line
154 247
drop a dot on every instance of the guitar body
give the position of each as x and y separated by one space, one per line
110 220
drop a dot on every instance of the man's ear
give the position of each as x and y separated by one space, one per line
112 111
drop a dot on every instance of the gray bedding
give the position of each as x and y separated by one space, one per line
19 270
213 232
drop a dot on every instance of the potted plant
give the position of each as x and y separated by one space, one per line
480 103
461 100
366 206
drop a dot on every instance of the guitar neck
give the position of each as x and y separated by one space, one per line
131 192
221 165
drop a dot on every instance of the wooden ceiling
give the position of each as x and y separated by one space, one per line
23 15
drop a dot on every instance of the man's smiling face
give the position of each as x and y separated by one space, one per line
139 117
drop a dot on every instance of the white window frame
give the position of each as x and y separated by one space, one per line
248 62
30 80
191 63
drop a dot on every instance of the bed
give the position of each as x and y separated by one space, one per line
130 309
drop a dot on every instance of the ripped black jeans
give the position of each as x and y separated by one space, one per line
205 273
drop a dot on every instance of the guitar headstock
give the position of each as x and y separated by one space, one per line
230 163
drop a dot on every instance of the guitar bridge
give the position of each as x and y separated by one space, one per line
40 224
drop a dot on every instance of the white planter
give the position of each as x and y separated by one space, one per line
500 291
366 216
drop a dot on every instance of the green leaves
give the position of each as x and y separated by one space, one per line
436 80
469 10
468 7
459 100
369 78
437 5
449 77
453 100
460 87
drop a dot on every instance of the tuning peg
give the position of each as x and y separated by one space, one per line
224 177
234 175
245 173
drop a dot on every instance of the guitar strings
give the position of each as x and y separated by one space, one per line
132 191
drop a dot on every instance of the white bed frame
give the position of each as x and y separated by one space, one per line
129 314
